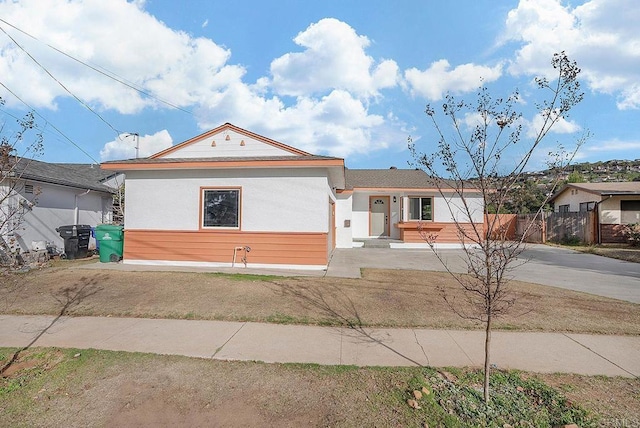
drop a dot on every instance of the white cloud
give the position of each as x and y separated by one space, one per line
334 58
335 84
337 124
631 147
170 64
434 82
124 147
562 126
601 35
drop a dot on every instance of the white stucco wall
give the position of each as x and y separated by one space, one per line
610 209
227 148
344 235
449 208
442 210
361 218
282 200
55 207
573 198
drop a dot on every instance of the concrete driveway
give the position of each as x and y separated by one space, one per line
542 264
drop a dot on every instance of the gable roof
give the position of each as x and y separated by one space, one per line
81 176
391 178
230 127
286 156
604 189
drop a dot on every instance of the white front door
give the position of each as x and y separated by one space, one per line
379 217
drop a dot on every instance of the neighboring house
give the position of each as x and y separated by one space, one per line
51 195
615 204
200 202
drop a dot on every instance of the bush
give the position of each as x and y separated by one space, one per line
571 240
632 233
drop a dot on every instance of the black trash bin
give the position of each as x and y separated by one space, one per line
76 240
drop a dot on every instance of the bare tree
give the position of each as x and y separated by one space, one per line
476 169
16 197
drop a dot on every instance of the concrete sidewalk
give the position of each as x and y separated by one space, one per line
537 352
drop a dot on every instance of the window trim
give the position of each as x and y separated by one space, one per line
201 225
431 197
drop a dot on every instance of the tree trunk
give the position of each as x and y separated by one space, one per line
487 357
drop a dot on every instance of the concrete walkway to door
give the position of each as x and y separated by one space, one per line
542 264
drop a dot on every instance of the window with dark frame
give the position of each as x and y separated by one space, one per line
221 208
563 208
587 206
420 208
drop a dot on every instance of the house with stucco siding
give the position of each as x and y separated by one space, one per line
38 197
615 204
200 202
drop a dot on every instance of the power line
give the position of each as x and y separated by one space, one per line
59 82
47 123
109 74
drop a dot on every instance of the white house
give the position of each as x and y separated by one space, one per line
50 195
206 200
615 204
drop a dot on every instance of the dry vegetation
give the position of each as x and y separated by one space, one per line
630 254
79 388
380 298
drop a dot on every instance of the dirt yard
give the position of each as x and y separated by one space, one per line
380 298
53 387
630 254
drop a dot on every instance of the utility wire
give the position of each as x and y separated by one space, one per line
47 123
107 73
60 83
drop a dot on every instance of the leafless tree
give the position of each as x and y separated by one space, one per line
476 167
15 201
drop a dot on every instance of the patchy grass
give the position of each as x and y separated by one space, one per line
620 252
382 298
77 388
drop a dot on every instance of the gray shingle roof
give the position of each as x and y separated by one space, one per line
389 178
82 176
603 189
627 187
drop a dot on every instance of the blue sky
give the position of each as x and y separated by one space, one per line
342 78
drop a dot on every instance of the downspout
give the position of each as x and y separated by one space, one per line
76 211
597 210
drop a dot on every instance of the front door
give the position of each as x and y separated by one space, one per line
379 217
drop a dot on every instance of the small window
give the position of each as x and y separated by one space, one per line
420 209
563 208
28 188
221 208
587 206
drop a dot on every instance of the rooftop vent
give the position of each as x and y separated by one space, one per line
393 167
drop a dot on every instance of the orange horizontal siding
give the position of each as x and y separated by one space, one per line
207 246
412 232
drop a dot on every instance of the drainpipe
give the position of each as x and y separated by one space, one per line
76 211
597 210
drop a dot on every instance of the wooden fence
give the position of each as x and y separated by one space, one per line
558 227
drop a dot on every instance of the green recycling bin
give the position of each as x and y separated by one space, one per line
111 240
